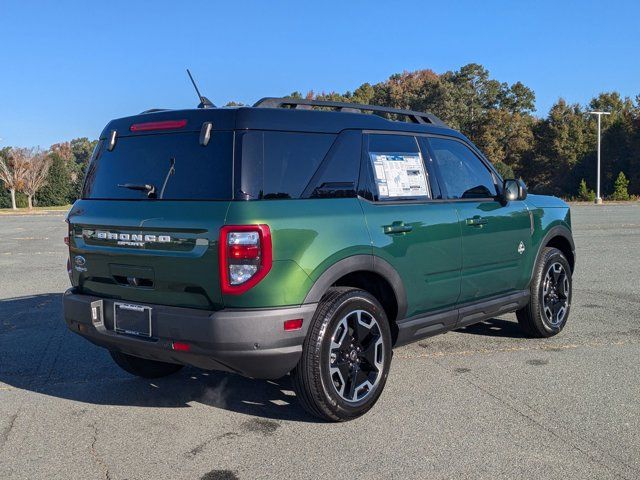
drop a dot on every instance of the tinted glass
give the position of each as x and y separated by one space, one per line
398 168
200 173
279 164
393 143
337 176
463 173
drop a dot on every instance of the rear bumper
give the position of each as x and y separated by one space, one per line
252 343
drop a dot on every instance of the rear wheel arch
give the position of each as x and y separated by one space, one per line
370 273
328 379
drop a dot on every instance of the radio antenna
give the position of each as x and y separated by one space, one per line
204 101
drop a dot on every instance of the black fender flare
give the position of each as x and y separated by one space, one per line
557 231
354 263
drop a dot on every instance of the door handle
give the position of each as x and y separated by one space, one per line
476 221
397 227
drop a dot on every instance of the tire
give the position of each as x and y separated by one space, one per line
142 367
345 357
547 312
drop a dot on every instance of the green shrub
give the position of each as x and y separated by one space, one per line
620 188
5 199
584 193
58 188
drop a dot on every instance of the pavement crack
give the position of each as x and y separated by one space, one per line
55 359
567 439
95 455
7 430
522 348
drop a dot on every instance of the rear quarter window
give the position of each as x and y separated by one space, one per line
338 174
200 172
279 165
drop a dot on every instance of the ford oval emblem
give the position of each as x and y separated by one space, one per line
80 263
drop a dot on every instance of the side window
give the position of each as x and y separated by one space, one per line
337 176
279 164
463 173
398 168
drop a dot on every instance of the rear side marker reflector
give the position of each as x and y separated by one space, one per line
293 324
165 125
244 251
180 346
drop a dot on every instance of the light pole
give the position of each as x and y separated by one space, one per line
599 114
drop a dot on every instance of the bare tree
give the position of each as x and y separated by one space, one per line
13 170
36 175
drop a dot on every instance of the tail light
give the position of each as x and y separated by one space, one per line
69 271
245 257
67 243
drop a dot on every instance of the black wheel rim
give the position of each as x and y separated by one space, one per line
555 294
356 356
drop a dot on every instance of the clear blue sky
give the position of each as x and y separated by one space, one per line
69 67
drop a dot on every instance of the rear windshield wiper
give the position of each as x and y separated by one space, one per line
143 187
150 189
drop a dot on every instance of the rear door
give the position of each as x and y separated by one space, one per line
494 235
129 242
410 228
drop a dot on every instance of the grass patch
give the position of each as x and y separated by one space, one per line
34 210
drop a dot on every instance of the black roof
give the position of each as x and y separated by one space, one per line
269 114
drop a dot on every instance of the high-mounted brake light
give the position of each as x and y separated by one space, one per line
165 125
245 256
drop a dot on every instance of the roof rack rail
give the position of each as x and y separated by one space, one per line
416 117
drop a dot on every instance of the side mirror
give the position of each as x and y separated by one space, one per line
514 190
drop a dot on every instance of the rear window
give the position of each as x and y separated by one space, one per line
199 172
279 164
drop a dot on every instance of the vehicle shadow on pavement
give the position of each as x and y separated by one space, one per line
38 353
494 327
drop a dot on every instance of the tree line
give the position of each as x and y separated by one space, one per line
555 154
44 178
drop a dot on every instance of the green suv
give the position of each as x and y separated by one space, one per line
303 237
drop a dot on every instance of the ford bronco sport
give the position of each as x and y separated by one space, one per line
303 237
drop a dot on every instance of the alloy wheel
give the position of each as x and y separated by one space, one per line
356 356
555 294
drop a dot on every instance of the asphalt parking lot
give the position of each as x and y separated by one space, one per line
478 403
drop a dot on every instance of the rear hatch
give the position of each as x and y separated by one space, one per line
147 226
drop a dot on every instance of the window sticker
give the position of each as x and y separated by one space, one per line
400 175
